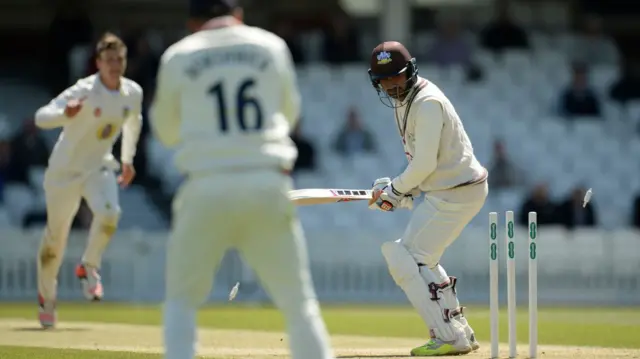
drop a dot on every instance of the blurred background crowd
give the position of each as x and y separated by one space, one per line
549 92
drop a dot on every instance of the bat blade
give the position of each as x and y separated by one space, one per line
311 196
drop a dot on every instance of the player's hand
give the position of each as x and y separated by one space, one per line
127 175
376 187
387 199
73 107
379 185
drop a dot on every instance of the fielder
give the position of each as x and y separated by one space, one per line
92 113
443 166
227 100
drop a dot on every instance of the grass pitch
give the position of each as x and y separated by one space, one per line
102 330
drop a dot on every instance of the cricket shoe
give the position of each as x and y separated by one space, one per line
47 312
437 347
91 283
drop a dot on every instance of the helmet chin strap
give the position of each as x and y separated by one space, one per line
411 71
397 101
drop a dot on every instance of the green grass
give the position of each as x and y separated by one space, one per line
605 327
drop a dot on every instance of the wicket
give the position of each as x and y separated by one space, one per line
511 283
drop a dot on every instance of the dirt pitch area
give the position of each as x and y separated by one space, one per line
233 344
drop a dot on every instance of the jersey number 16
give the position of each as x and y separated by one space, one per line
243 100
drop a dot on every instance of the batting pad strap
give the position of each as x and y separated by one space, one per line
405 272
442 290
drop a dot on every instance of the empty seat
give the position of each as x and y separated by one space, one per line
20 200
587 129
553 248
36 177
516 101
589 246
623 247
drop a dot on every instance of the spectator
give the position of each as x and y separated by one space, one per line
593 46
579 99
538 201
143 64
5 165
69 28
450 46
635 221
29 150
353 138
143 67
91 67
306 152
571 214
340 42
503 173
285 31
627 86
9 171
503 33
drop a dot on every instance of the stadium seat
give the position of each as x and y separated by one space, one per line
516 102
19 199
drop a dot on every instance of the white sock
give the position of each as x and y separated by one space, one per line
179 330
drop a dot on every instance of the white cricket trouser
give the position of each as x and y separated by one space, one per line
63 193
439 220
249 211
434 225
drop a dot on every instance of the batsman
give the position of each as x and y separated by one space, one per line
441 165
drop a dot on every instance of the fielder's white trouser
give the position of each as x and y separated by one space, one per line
63 193
414 259
252 213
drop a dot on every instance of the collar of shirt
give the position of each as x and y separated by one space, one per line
100 85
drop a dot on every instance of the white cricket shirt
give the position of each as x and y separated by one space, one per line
439 151
227 99
87 139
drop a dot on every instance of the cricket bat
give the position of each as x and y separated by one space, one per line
311 196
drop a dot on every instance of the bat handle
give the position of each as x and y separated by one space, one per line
374 196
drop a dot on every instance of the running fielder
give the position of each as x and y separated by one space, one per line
92 113
443 166
227 100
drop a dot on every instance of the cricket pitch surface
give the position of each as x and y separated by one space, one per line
231 344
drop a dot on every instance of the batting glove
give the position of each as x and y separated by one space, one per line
379 185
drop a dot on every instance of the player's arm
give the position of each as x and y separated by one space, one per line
291 95
429 119
56 113
165 110
131 131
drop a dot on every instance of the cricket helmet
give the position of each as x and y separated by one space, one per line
390 59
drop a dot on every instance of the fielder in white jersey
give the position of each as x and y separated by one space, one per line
443 167
92 114
227 100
